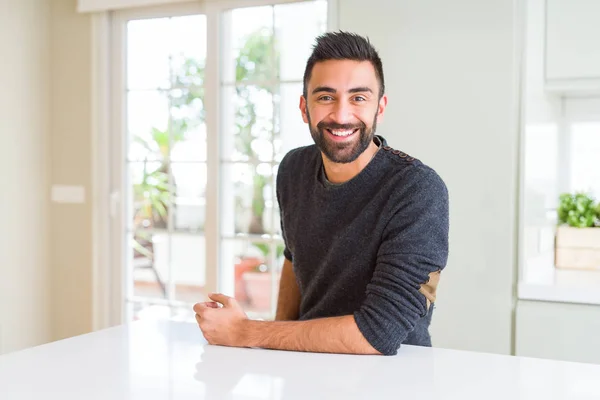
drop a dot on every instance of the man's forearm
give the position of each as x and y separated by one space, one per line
325 335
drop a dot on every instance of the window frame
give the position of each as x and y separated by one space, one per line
108 132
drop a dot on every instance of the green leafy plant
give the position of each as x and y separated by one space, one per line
578 210
152 194
255 62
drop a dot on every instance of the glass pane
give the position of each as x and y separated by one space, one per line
188 140
189 208
150 195
188 262
188 50
150 260
541 179
540 193
253 281
585 147
291 130
248 123
148 122
277 249
248 53
246 191
296 27
148 51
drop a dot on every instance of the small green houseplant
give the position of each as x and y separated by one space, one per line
578 210
578 235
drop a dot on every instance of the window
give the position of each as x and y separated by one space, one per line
560 157
170 84
585 148
261 83
166 169
541 189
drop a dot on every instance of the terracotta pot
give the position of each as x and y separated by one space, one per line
245 265
258 288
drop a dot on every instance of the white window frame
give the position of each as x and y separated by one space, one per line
108 145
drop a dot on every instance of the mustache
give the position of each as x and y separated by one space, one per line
333 125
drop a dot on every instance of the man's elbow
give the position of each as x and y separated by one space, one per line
369 350
374 339
360 344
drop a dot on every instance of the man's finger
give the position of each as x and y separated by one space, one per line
212 304
197 308
220 298
201 307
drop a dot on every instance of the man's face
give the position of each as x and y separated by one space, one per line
342 108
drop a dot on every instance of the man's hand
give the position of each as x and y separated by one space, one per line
221 325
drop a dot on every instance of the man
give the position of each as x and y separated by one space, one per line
365 226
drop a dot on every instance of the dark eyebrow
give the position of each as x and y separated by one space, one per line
360 89
328 89
323 89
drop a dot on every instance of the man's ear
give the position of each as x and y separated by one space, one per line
303 109
381 107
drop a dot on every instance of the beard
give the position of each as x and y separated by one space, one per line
346 152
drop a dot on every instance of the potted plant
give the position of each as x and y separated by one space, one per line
578 235
258 279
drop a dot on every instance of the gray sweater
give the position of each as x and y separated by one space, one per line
372 247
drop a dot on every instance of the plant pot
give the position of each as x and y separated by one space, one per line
244 266
258 288
577 248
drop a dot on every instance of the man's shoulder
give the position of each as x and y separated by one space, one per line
300 156
296 168
412 171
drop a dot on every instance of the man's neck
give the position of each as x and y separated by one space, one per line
340 173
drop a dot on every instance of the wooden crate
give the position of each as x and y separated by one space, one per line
577 248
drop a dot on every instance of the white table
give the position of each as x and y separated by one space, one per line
170 360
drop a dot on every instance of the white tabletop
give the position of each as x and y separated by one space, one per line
170 360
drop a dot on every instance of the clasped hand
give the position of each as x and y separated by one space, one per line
221 320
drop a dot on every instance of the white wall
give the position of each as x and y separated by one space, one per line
451 74
24 292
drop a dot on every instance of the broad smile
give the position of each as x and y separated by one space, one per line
341 134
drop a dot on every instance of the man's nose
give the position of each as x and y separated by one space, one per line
342 113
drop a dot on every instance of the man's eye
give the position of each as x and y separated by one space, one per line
326 98
359 98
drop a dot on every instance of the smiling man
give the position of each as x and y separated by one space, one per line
365 225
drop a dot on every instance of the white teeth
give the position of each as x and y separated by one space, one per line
341 133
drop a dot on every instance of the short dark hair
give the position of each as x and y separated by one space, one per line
344 46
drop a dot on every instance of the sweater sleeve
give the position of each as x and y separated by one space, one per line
413 251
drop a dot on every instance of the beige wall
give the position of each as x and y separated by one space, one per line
70 231
24 291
